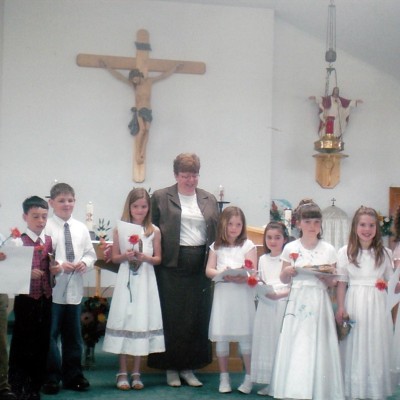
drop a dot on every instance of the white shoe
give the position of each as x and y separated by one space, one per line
225 385
136 384
263 391
122 381
173 378
189 377
246 386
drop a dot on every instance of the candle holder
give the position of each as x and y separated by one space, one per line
221 205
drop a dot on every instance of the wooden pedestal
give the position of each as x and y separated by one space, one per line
327 172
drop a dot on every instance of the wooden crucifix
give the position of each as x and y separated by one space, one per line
141 82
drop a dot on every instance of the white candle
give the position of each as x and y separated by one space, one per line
221 193
287 215
89 215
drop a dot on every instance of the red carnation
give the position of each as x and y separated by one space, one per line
252 281
381 284
15 233
294 256
134 239
248 264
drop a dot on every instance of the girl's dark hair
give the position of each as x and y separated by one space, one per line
275 225
222 237
354 245
133 195
307 209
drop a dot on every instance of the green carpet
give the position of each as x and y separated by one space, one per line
102 385
102 380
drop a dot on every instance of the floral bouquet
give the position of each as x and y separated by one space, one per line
94 319
102 229
385 224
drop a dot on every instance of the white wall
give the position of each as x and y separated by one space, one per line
70 123
64 122
60 121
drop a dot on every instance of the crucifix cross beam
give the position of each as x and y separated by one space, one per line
141 82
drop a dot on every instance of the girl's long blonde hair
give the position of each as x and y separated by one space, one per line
354 245
133 195
222 237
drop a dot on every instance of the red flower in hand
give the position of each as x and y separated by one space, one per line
248 264
15 233
381 284
252 281
134 239
294 257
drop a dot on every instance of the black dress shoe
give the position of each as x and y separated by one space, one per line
51 388
7 394
78 384
33 396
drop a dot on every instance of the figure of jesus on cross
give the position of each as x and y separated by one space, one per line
141 83
142 112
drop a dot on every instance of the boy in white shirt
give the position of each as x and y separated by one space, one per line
75 255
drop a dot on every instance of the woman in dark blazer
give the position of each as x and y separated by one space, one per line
187 217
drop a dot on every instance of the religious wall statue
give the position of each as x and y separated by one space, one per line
141 112
141 82
334 113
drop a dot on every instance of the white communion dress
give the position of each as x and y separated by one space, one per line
268 321
366 351
307 362
233 308
134 324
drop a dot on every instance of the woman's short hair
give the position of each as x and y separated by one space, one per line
187 162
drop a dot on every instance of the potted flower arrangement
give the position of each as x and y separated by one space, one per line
93 324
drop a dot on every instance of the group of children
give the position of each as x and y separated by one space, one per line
292 343
62 253
288 342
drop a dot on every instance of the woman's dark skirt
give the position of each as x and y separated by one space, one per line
185 296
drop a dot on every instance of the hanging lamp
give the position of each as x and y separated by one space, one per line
328 145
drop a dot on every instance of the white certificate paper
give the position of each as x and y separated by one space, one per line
15 270
125 230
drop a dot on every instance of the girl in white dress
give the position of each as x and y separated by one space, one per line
396 313
134 325
271 307
233 309
307 361
366 267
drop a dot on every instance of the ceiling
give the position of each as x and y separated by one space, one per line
366 29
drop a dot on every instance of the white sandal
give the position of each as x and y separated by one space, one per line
137 384
122 383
